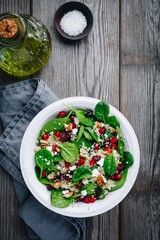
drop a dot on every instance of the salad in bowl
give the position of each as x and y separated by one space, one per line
82 157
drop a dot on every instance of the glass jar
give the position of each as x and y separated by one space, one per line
25 44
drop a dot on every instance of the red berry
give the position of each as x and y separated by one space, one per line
73 125
71 117
112 177
57 134
120 167
62 114
79 185
86 200
92 199
67 164
118 177
54 147
81 161
114 146
92 162
114 140
116 173
45 136
96 146
44 173
102 130
108 149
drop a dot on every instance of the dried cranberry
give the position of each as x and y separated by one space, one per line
102 130
67 164
81 161
64 136
89 113
45 136
96 146
62 114
57 134
96 158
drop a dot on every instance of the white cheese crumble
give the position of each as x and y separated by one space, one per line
74 131
83 192
101 162
49 148
85 181
72 167
76 121
65 192
95 173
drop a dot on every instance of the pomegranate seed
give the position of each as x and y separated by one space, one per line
108 149
57 134
102 130
45 136
118 177
67 164
96 146
79 185
73 125
44 173
54 146
92 162
81 161
112 177
92 199
62 114
114 140
72 117
114 146
116 173
86 200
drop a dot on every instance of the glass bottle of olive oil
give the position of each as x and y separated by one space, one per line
25 44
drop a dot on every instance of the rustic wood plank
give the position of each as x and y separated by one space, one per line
140 91
11 226
87 68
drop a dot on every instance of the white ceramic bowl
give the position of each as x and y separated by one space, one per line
40 191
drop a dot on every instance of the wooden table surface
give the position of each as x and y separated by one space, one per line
118 62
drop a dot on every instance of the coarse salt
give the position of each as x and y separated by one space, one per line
73 23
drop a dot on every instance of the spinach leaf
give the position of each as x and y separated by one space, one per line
84 141
88 136
80 173
57 158
90 188
93 134
69 151
82 119
42 180
120 183
102 111
121 143
110 164
57 199
43 159
101 193
128 159
80 133
112 121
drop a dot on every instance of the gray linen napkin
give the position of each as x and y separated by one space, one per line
19 103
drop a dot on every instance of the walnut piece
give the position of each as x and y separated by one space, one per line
8 28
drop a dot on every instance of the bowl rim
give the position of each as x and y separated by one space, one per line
122 191
81 35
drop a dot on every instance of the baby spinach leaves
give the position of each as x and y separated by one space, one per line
128 159
90 188
112 121
69 151
58 200
120 183
102 111
42 180
43 159
80 133
110 164
80 173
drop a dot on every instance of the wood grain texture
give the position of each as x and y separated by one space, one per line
140 91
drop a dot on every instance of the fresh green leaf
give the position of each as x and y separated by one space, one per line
69 151
57 158
90 188
93 134
110 164
58 200
43 159
80 173
120 183
88 136
84 141
128 159
102 111
112 121
42 180
80 133
102 193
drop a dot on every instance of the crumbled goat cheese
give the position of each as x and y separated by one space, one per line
65 192
49 148
109 184
76 121
85 181
116 156
51 176
95 173
101 162
83 192
72 167
74 131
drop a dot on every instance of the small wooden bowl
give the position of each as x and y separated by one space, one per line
70 6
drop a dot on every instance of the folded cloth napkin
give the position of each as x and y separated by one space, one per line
19 103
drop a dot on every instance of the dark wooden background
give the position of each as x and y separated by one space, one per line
118 62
